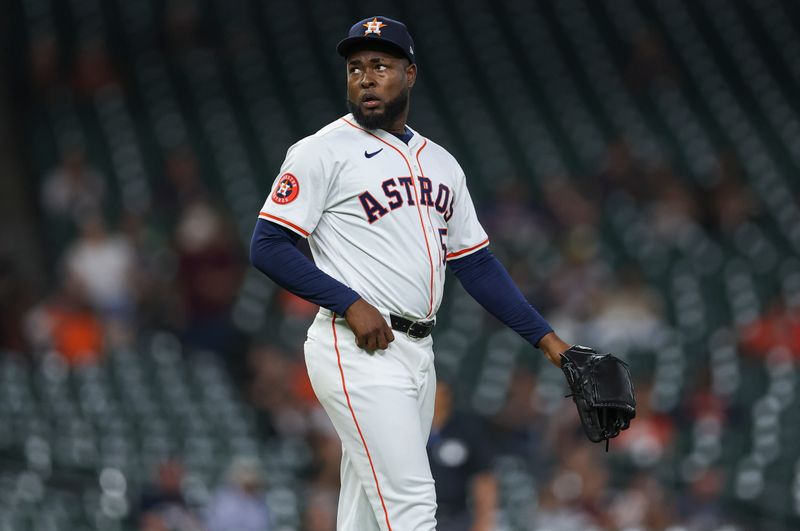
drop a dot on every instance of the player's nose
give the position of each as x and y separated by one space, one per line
367 80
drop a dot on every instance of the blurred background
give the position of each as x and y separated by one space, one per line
635 163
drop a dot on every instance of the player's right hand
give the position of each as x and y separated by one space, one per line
369 326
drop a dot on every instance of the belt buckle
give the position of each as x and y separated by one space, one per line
420 329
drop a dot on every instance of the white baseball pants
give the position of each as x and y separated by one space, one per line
381 405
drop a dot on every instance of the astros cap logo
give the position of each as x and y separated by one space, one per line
377 28
373 26
287 190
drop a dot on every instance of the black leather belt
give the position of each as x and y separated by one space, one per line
415 329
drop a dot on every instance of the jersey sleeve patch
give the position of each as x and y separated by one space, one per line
287 190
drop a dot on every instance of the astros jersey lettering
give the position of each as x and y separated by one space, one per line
381 216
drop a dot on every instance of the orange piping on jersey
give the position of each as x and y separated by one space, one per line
469 249
416 196
353 414
289 223
438 248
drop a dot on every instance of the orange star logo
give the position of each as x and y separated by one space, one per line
373 26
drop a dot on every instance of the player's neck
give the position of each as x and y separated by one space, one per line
398 126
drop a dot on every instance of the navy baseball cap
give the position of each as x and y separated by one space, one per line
375 30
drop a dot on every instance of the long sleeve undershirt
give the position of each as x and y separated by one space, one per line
273 251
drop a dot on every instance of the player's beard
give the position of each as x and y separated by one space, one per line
392 109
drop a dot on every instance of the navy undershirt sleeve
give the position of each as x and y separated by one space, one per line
488 282
273 251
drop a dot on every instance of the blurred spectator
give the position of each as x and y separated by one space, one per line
700 504
155 266
163 504
152 522
569 206
320 512
15 302
578 494
672 206
44 61
270 390
210 268
644 504
649 62
511 220
73 190
629 314
105 264
327 448
323 475
296 308
461 465
707 408
297 313
182 25
554 515
732 202
778 327
67 324
520 233
650 436
239 505
182 187
93 68
563 432
516 428
621 171
577 286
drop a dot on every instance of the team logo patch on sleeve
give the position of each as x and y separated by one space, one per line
287 190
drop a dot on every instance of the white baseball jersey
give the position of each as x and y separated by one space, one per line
381 216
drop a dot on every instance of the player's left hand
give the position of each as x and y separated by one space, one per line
369 326
553 346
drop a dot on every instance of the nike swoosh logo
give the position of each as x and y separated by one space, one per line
370 155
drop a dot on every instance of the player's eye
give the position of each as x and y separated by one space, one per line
381 68
355 70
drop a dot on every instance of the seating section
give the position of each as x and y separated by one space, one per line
535 91
96 434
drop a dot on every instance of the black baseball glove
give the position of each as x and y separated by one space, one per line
602 390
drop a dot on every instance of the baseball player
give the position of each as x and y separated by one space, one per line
385 210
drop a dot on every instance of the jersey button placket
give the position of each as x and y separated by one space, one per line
432 234
426 226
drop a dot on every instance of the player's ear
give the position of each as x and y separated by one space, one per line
411 75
